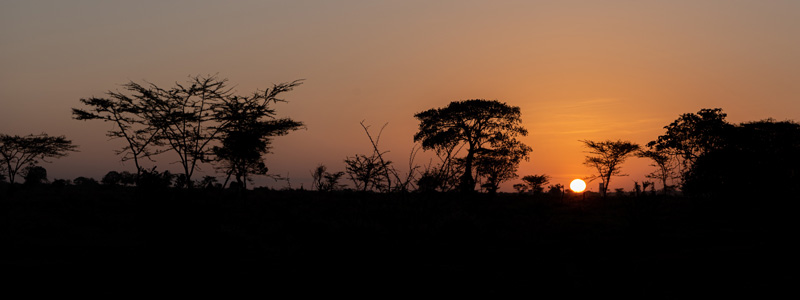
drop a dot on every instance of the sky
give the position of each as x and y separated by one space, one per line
579 70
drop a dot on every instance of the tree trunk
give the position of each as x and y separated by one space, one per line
467 182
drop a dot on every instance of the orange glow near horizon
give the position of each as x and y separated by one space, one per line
577 185
578 70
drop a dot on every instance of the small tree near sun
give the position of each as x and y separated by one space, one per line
665 168
536 183
606 157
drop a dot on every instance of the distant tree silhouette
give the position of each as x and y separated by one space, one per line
665 169
35 175
248 125
478 125
188 118
637 188
127 179
127 113
181 181
606 157
520 187
535 183
17 152
692 135
112 178
500 164
649 184
210 182
324 180
151 179
85 181
556 189
61 183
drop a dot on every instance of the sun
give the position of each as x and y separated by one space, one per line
577 185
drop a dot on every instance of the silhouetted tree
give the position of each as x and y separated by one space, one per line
187 115
22 151
324 180
366 172
111 178
649 184
248 126
665 170
536 183
60 183
35 175
606 158
477 124
188 118
127 179
520 187
153 180
127 112
85 181
556 189
210 182
692 135
431 179
500 164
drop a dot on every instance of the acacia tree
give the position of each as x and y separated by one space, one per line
500 164
665 169
189 118
248 125
536 183
127 113
22 151
607 156
479 125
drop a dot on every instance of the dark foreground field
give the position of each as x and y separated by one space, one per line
210 242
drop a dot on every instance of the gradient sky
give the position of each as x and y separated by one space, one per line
578 69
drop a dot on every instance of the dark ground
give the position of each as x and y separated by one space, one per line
209 242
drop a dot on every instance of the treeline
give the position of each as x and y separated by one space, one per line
476 142
702 154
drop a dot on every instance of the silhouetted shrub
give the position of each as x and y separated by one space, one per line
85 181
60 183
35 175
112 178
152 179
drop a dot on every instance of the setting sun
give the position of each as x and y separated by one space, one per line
577 185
